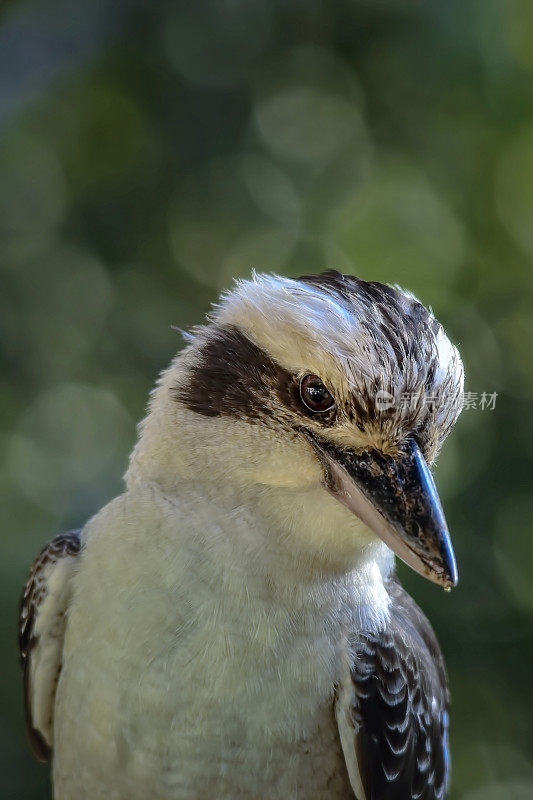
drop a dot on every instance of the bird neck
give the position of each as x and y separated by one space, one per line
252 554
266 511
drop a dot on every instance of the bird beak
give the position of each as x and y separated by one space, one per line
396 498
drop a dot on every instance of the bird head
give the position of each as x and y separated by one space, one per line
331 387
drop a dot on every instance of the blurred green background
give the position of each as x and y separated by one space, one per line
151 151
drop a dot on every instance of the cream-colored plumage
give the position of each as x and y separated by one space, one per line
197 674
210 607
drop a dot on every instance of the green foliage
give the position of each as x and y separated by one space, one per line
150 152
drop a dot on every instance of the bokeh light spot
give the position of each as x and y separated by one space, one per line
32 187
306 124
397 228
514 189
512 546
70 446
216 43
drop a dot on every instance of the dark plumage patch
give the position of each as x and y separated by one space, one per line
400 707
398 318
231 377
235 377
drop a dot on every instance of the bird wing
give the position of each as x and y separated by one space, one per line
392 709
41 631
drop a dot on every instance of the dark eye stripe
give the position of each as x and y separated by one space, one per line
234 377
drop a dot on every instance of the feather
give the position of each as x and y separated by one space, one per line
41 631
397 688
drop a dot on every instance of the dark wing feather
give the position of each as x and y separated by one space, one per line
398 709
41 631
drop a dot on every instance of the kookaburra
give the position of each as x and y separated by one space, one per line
231 625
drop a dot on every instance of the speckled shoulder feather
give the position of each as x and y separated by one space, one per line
41 631
393 716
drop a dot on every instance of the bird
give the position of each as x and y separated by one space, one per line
232 625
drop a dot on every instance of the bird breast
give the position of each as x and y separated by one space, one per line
177 656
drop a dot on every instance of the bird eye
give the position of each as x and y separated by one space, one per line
314 394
